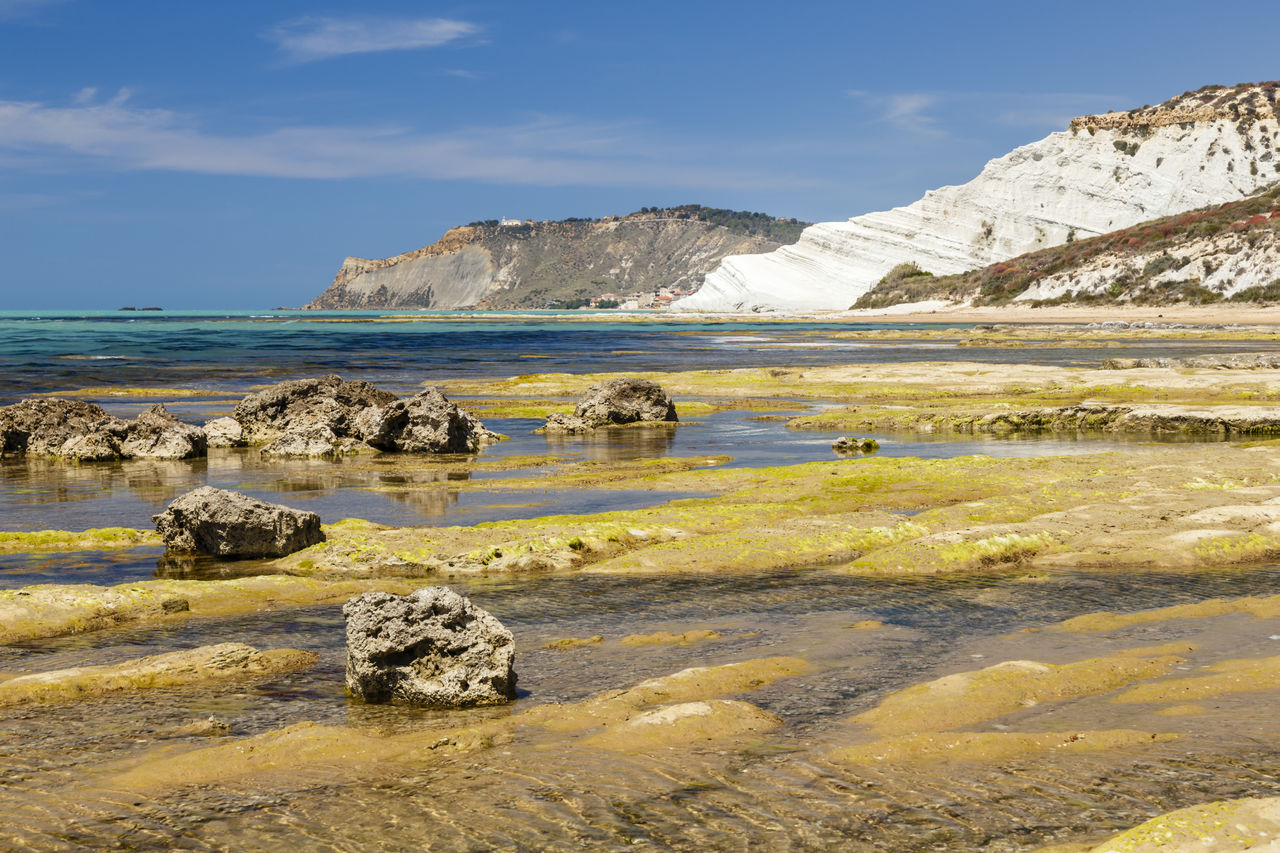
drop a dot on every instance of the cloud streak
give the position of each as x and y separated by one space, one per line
544 150
314 39
919 112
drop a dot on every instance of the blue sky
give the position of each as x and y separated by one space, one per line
229 155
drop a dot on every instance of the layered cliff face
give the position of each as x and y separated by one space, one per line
1225 252
1104 173
528 265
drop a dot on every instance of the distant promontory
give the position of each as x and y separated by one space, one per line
641 260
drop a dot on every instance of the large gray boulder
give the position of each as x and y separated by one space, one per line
72 429
432 648
302 405
228 524
424 423
618 401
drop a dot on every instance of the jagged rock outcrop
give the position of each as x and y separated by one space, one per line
228 524
615 402
1102 174
327 417
529 264
432 648
72 429
302 405
424 423
156 434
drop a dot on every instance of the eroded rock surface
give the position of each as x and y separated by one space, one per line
303 404
228 524
173 669
424 423
224 432
156 434
618 401
431 648
73 429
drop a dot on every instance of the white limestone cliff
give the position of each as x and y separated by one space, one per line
1105 173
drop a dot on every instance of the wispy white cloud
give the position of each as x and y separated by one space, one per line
311 39
10 9
544 150
904 111
926 113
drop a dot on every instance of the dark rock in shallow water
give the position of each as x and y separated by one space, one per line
77 430
617 401
424 423
432 648
844 444
228 524
304 404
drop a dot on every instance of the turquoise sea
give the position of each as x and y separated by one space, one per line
219 350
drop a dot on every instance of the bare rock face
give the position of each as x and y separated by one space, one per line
618 401
156 434
77 430
224 432
312 440
228 524
42 426
303 404
424 423
432 648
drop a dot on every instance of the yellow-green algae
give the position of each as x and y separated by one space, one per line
139 393
220 662
567 643
52 610
1225 826
991 747
666 638
1102 510
1228 676
971 697
683 724
344 749
93 539
1267 607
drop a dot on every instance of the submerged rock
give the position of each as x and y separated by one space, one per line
618 401
424 423
303 404
72 429
172 669
844 444
228 524
431 648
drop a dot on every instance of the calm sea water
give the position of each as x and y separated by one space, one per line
50 351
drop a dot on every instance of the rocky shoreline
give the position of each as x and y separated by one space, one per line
1107 691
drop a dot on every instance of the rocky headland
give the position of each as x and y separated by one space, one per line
537 264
